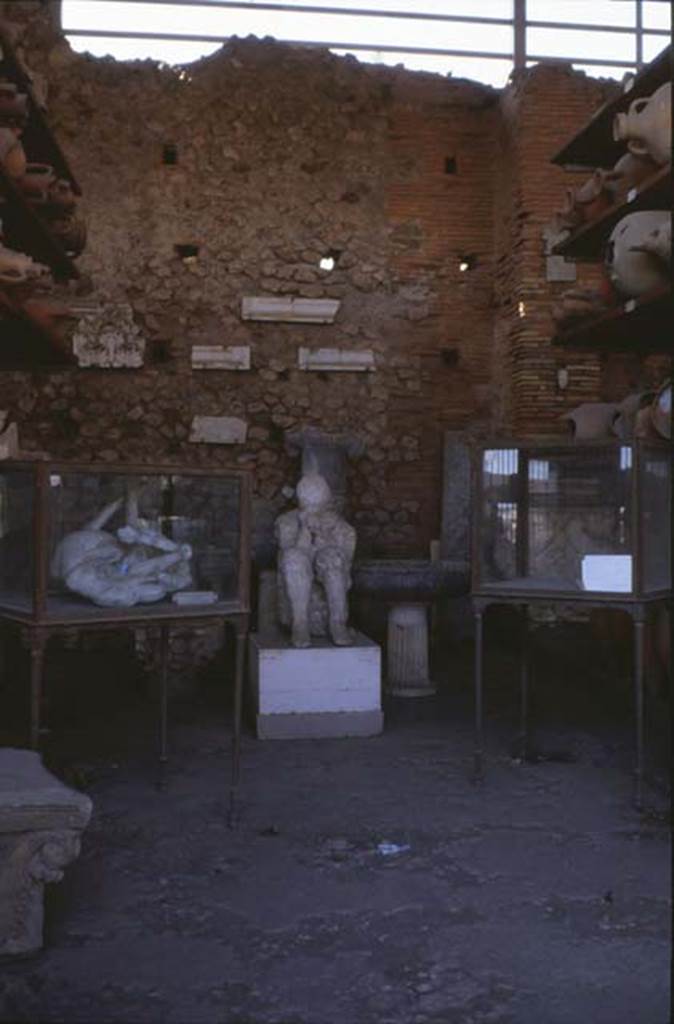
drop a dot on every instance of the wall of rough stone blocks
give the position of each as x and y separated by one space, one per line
285 156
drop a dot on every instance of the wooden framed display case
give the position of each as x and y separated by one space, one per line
106 546
571 523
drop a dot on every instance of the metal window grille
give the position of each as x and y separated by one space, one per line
521 28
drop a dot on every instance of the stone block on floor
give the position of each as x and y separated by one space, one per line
41 821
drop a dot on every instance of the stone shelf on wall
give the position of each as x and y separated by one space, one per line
637 325
588 241
336 360
221 357
298 311
594 145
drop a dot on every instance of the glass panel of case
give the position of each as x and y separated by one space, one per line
119 540
557 519
17 503
656 518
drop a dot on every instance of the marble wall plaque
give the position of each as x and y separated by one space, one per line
302 311
336 360
218 430
221 357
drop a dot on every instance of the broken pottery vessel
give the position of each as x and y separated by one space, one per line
647 125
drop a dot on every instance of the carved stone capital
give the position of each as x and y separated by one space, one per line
28 860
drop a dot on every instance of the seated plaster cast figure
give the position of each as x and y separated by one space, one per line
116 572
314 565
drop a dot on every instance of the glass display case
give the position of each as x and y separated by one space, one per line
587 520
83 544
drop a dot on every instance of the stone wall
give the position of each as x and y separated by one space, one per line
285 156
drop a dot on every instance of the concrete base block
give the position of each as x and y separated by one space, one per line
315 691
319 726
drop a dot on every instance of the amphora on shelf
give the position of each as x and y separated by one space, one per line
661 411
628 172
16 267
71 232
591 421
658 242
36 181
577 304
61 196
627 411
647 125
632 270
12 156
54 319
592 197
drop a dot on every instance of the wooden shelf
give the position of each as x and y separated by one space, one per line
593 145
588 241
23 230
637 325
37 139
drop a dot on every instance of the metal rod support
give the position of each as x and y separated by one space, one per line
367 47
639 631
479 738
163 700
37 645
361 12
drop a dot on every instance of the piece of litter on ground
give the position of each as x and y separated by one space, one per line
391 849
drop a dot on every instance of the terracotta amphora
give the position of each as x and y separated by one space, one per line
71 232
12 156
54 319
36 181
661 411
647 125
592 197
578 304
591 421
658 242
16 267
632 271
61 196
629 171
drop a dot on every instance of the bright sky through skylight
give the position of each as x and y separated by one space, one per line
378 31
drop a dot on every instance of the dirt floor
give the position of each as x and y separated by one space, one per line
367 881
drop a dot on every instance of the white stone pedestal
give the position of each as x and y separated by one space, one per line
407 651
317 691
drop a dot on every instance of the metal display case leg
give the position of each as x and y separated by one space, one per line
241 640
639 639
37 646
525 681
163 705
478 757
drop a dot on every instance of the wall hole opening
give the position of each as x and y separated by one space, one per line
170 154
450 165
187 253
330 260
467 261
